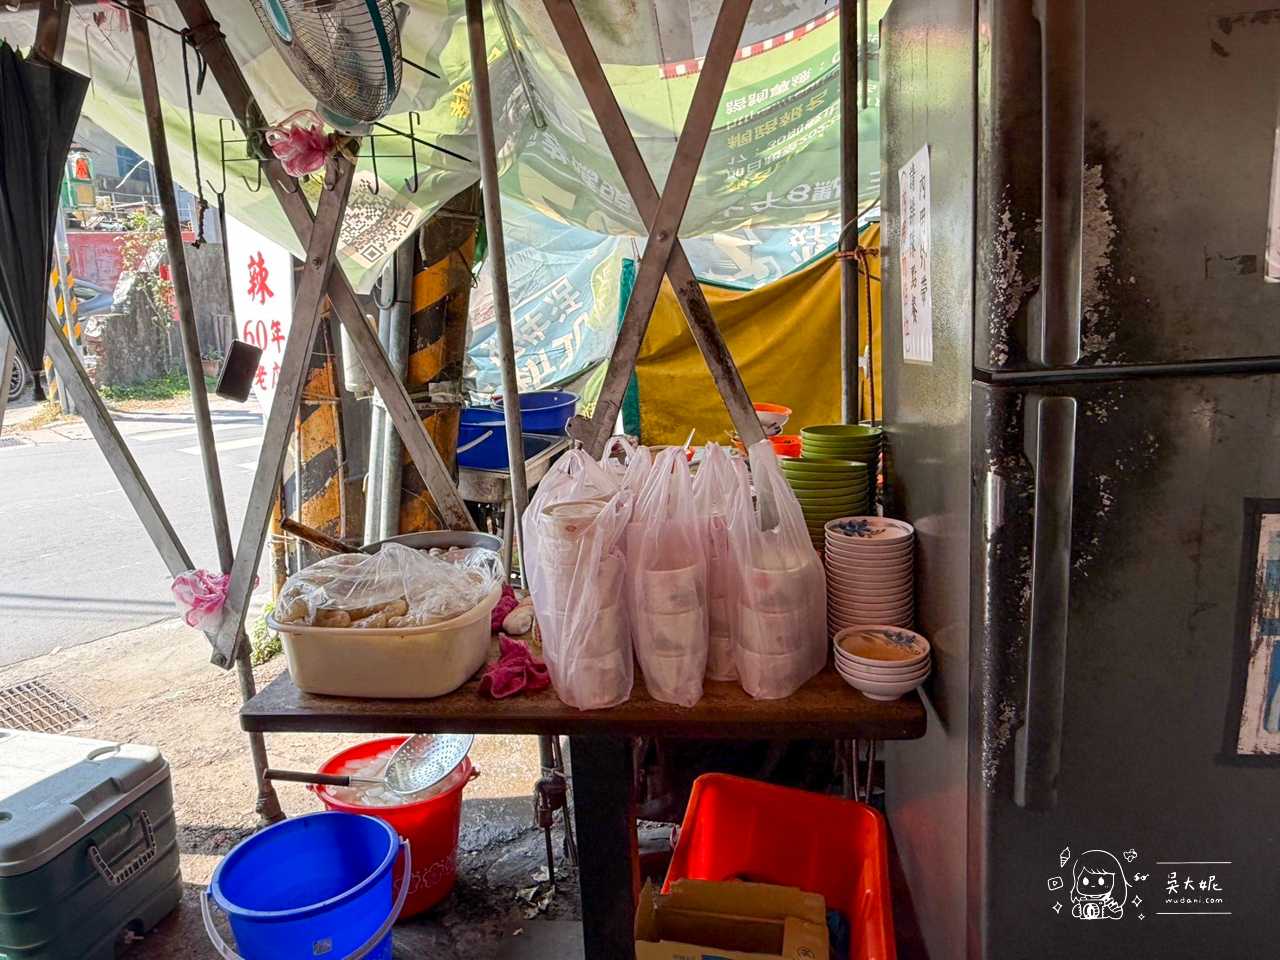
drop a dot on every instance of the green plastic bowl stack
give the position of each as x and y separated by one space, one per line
828 489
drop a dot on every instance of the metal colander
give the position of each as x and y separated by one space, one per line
424 760
420 762
345 52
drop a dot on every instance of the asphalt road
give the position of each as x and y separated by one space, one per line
75 563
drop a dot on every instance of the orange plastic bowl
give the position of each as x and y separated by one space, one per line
788 445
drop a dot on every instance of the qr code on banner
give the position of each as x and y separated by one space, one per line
375 223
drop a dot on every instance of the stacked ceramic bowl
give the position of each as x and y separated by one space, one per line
870 565
827 490
843 441
883 662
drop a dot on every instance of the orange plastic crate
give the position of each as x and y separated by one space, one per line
747 830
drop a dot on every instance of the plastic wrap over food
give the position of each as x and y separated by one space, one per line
396 587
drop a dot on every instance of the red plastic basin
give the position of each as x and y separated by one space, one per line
743 829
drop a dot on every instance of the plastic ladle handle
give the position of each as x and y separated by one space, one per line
406 879
478 440
324 779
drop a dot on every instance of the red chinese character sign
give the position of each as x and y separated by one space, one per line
262 294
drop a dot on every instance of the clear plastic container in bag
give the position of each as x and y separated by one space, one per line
572 531
667 583
779 617
715 488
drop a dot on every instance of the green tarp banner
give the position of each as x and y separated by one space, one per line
772 160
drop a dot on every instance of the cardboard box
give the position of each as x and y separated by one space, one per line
705 920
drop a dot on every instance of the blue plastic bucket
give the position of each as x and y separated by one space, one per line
482 439
318 885
546 411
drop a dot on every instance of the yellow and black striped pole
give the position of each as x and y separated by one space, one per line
314 474
439 309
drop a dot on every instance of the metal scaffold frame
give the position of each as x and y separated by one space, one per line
317 230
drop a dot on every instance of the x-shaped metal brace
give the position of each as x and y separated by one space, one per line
439 483
662 216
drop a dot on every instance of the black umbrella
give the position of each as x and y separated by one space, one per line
39 106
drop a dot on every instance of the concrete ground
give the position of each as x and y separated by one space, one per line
155 685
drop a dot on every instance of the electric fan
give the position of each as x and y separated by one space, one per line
345 52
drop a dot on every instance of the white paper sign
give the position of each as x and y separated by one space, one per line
262 295
917 297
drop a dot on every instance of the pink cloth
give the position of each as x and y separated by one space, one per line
300 143
506 603
516 669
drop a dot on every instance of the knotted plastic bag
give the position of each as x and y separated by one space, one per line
667 580
200 596
720 481
630 471
572 529
780 617
300 143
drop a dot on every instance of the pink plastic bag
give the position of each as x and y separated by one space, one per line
780 614
200 596
300 143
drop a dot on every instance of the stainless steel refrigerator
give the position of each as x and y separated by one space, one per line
1092 462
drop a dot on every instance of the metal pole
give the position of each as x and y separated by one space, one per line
398 353
268 805
850 395
378 418
498 258
517 61
181 282
864 51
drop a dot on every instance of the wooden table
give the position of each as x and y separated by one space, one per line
824 708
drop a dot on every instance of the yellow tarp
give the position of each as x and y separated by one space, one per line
785 339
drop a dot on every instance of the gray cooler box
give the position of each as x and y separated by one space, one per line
88 845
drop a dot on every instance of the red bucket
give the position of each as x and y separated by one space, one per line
430 826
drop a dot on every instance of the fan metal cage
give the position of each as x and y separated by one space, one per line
345 52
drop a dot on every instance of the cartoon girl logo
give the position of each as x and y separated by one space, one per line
1100 888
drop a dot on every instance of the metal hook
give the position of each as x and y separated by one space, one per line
257 185
374 187
222 160
284 182
413 184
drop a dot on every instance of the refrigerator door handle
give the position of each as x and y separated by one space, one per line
1051 444
1054 340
